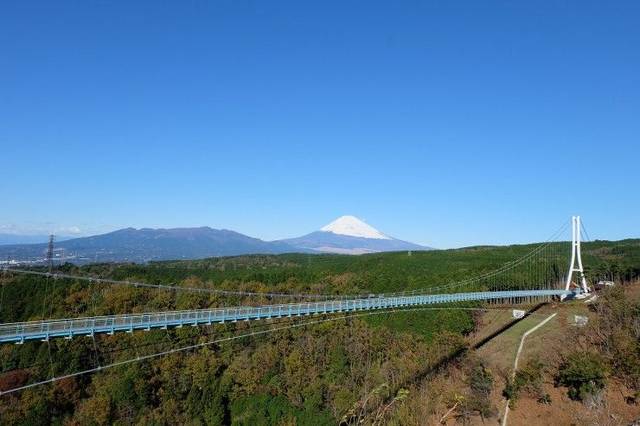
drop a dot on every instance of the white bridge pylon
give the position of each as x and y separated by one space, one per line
575 265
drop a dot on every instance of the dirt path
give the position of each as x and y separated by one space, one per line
515 363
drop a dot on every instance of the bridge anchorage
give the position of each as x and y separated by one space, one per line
536 276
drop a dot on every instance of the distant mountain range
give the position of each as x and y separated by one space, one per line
347 235
143 245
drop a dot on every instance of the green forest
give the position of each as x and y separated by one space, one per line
341 371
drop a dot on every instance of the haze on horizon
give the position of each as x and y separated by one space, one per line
446 125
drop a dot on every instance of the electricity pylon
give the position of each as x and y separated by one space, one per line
50 253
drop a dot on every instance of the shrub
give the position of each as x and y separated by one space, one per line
480 381
584 373
527 379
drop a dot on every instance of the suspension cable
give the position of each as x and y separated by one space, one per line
231 338
504 268
170 287
584 229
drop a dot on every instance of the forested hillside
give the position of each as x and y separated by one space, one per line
342 370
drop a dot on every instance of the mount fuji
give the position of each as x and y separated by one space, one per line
350 235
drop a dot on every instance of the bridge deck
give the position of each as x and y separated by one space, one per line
68 328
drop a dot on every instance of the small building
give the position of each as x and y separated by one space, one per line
580 320
602 284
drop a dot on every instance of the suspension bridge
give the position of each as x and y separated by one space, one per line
69 328
532 278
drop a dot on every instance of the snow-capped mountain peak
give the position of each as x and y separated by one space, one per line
353 227
350 235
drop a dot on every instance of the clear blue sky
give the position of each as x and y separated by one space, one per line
445 123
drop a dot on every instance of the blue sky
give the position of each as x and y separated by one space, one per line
444 123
